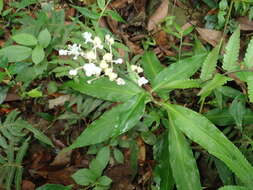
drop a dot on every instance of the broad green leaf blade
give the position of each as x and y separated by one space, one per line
163 168
16 53
114 15
232 52
248 59
104 89
182 161
86 12
38 54
151 65
231 187
202 131
237 109
25 39
44 38
1 5
182 69
209 64
216 82
113 122
84 177
182 84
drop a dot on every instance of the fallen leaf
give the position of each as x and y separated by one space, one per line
58 101
142 151
63 158
119 4
28 185
245 23
212 37
160 13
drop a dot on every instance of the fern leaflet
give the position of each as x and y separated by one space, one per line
248 59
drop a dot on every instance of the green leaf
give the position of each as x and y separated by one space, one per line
84 177
38 54
54 187
114 15
151 65
203 132
44 38
25 39
118 155
1 5
118 120
216 82
101 161
182 69
86 12
237 109
209 64
182 161
250 87
224 118
3 93
101 4
232 52
104 181
226 176
38 135
230 187
249 55
16 53
182 84
35 93
105 89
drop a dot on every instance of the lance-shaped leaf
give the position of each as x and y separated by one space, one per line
248 59
232 52
202 131
182 161
231 187
105 89
182 69
151 65
250 87
209 64
182 84
113 122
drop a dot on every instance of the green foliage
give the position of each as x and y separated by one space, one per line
54 187
232 52
14 142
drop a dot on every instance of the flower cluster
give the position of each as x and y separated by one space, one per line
99 61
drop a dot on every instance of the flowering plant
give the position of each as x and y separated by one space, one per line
99 61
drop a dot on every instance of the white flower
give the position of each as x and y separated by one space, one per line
142 81
118 61
107 57
120 81
63 52
90 55
73 72
139 70
109 39
91 69
133 67
108 71
97 43
75 50
103 64
87 36
112 76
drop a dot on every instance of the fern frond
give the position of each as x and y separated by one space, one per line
209 64
216 82
232 52
248 59
250 87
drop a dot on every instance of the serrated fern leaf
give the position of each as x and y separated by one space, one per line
248 59
216 82
232 52
250 87
209 64
182 84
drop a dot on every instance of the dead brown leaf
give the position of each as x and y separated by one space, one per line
119 4
212 37
28 185
245 23
160 13
63 158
